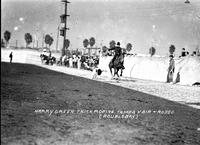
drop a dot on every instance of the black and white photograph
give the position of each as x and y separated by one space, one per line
100 72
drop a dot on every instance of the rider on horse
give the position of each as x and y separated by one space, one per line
118 53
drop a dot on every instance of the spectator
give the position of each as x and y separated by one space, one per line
183 53
70 62
63 60
11 56
171 69
194 53
76 61
79 62
66 61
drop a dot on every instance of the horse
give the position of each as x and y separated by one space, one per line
52 60
44 58
117 64
47 60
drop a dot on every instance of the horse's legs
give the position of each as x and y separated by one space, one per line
111 71
121 72
117 70
110 67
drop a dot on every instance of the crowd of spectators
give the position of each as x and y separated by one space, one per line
79 61
186 53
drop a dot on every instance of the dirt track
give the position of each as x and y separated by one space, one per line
27 88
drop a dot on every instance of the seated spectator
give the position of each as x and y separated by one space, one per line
194 53
183 53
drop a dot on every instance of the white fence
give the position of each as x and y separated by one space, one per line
155 68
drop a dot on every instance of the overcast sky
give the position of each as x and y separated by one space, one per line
141 22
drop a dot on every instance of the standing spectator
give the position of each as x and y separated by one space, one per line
70 62
73 59
76 61
171 69
63 60
79 62
11 56
67 61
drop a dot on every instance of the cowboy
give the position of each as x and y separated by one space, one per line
118 53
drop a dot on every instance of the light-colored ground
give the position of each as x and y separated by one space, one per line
188 95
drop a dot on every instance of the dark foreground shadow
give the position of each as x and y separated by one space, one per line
26 88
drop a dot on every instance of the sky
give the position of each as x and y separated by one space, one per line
144 23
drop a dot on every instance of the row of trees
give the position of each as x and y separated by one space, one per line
28 38
90 42
113 43
172 49
86 42
48 39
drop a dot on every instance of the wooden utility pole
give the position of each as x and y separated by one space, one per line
37 43
16 43
57 39
64 20
42 40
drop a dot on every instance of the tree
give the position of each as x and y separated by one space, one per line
2 43
152 51
129 47
48 40
92 41
112 44
7 36
104 49
124 51
172 49
28 38
85 43
66 45
67 52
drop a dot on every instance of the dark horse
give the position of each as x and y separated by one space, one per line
47 60
117 64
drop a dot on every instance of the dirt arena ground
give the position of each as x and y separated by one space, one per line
44 107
